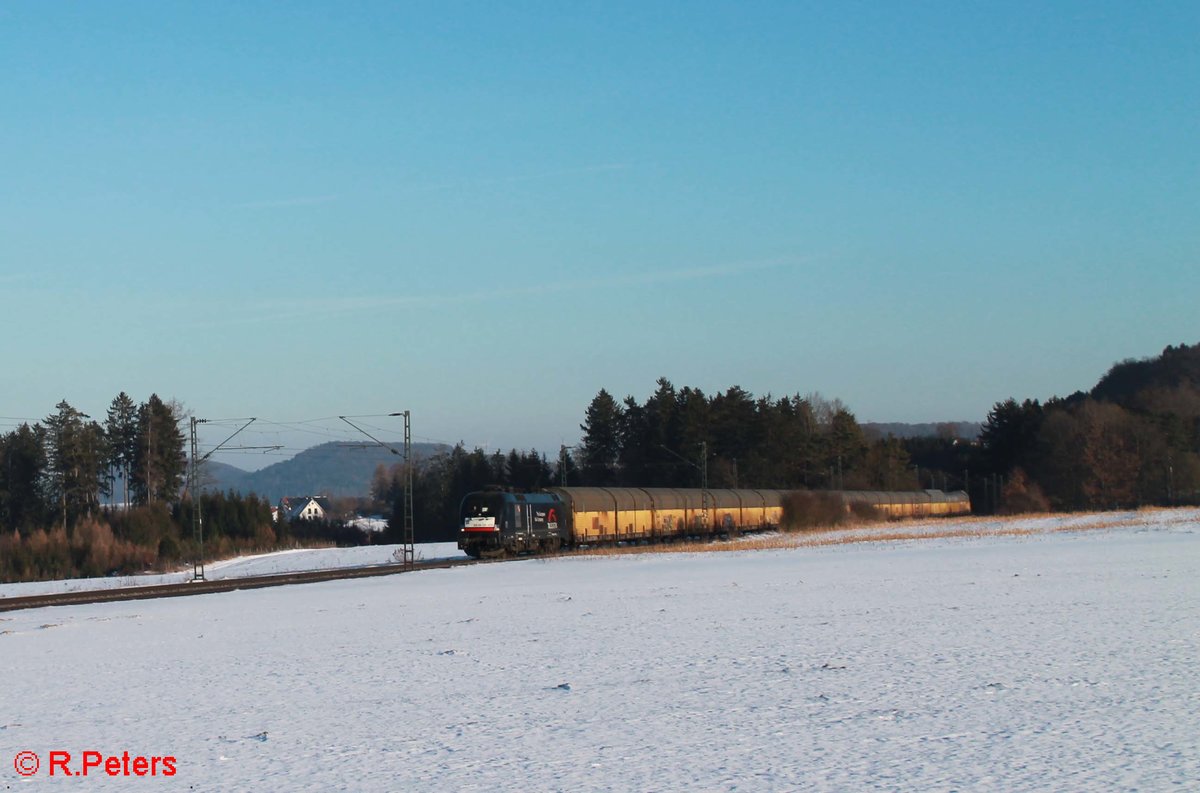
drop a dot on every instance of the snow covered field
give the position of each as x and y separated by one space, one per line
1004 661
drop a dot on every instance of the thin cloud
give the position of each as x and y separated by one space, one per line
308 309
300 201
583 170
607 282
586 169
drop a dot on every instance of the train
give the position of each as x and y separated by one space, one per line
498 523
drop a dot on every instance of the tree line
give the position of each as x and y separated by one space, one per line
81 497
684 438
54 472
1133 440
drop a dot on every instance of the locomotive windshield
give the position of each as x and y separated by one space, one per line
482 511
481 505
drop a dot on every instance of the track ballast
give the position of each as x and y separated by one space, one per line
205 587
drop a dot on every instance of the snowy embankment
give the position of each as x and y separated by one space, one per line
1010 661
279 562
300 560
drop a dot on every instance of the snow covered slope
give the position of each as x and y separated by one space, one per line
1061 661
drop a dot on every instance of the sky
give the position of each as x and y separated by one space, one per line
485 213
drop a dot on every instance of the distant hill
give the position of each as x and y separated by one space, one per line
219 476
968 430
1134 383
331 469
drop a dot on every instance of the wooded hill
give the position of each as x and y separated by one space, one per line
1132 440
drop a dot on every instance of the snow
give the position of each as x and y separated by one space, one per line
298 560
303 559
373 523
995 659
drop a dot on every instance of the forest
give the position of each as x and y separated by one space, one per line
80 497
86 497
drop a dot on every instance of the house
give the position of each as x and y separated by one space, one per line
305 507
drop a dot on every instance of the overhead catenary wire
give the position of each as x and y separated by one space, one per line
408 543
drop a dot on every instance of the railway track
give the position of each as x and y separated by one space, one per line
220 585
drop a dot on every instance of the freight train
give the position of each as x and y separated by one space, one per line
496 522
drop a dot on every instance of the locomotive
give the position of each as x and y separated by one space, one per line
495 522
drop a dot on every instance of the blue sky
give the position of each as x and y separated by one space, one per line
485 212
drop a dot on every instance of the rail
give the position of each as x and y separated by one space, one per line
188 588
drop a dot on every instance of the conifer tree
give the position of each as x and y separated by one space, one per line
121 436
159 461
22 471
1009 436
601 440
74 456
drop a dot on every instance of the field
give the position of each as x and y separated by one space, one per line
1039 654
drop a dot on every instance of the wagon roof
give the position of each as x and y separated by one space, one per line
603 499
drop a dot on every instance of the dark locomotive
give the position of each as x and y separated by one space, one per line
495 522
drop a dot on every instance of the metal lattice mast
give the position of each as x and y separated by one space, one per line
197 520
194 488
409 549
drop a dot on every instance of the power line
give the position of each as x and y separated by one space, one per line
407 546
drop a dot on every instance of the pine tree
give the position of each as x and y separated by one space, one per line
735 424
662 428
22 471
847 448
121 436
74 456
886 466
159 462
633 457
1009 436
601 440
693 417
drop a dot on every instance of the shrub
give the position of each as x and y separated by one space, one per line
810 509
1020 495
168 549
144 525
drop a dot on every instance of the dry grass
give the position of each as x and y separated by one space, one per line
969 527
